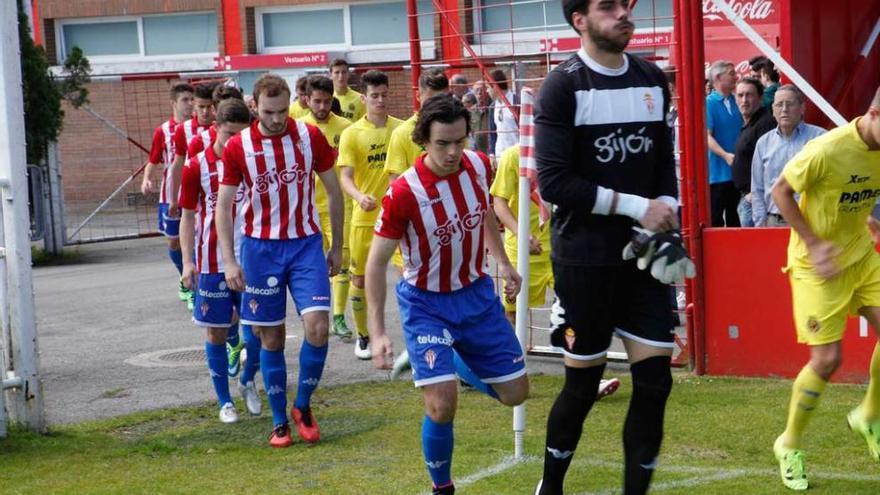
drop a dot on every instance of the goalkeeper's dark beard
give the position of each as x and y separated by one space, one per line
607 43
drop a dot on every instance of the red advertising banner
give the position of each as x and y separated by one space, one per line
271 61
752 11
639 40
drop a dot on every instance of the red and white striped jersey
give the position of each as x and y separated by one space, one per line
184 133
162 151
202 141
199 186
439 222
279 174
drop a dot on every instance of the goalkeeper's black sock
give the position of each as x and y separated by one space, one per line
565 423
643 430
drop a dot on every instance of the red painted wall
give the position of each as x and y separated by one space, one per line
745 288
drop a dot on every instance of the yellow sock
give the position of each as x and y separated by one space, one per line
805 394
871 404
340 292
359 309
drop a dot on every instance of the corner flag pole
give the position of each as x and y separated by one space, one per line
527 174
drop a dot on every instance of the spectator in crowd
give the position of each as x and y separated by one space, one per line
723 123
755 65
469 100
480 118
672 121
775 148
770 80
504 119
757 121
458 85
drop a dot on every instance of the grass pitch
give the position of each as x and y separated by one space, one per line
718 441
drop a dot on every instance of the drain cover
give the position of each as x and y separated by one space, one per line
170 358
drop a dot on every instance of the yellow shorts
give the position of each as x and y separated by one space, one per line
540 281
360 240
327 234
821 307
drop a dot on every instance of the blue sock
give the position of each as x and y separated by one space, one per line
252 344
216 357
311 365
176 258
232 335
274 371
437 443
465 373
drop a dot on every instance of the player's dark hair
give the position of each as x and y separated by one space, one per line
434 79
500 78
223 92
337 62
319 83
374 78
270 85
234 111
569 7
179 89
205 91
301 84
754 82
443 108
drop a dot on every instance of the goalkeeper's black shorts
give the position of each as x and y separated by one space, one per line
601 301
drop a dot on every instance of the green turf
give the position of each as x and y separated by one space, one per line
718 441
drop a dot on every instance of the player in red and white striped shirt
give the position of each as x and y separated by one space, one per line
162 154
282 247
438 212
203 106
214 304
204 139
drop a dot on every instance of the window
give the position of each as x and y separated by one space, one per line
303 28
386 23
647 15
525 15
121 38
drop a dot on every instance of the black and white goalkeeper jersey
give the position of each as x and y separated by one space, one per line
595 127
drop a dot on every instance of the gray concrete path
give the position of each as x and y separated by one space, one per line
116 303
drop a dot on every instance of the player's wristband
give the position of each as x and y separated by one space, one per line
631 206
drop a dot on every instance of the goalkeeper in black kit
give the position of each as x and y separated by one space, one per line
605 160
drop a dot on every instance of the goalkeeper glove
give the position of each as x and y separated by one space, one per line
664 253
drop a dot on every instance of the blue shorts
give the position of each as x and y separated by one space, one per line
214 302
269 265
471 321
170 226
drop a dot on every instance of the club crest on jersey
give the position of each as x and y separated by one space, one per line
253 304
456 226
569 338
649 102
431 358
205 307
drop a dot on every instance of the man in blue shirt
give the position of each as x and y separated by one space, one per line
723 124
774 149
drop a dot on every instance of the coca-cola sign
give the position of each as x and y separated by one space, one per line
753 11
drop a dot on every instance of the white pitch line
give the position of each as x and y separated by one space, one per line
505 464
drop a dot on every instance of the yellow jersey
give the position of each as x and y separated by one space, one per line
332 130
352 106
297 111
363 147
402 150
838 179
506 186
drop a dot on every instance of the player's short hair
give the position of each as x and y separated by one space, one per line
434 79
770 71
233 110
875 102
205 91
224 92
374 78
754 82
798 94
301 84
270 85
569 7
443 108
179 89
319 83
500 78
717 68
337 62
